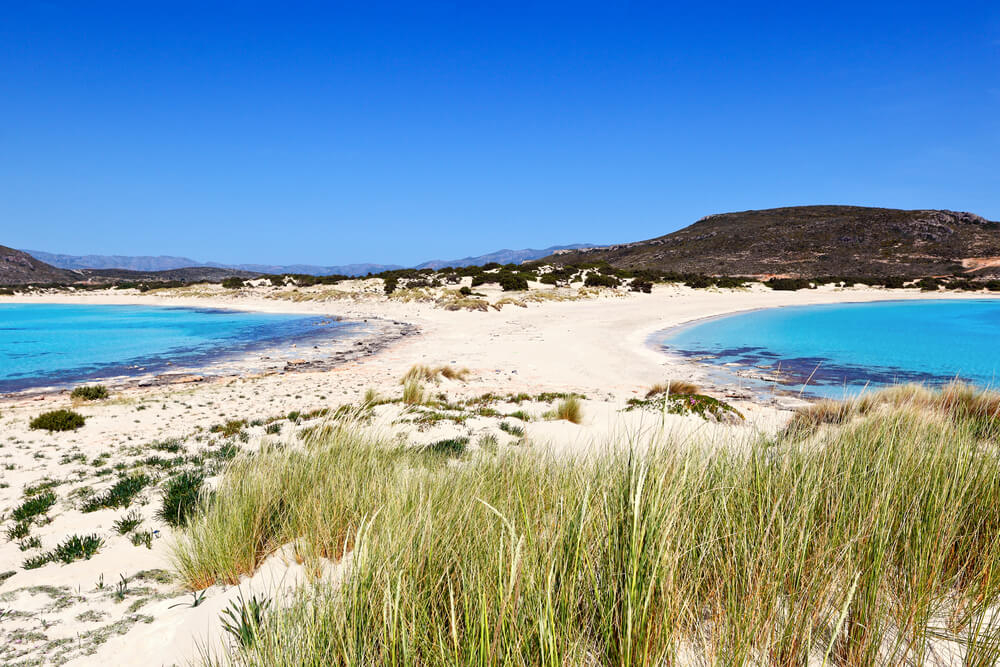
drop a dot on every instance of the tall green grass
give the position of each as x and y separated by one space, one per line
869 543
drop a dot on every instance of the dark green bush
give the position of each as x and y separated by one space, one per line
93 392
601 280
511 282
789 284
465 290
390 285
180 497
928 284
643 286
58 420
232 283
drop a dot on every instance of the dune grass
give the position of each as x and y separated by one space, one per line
568 409
863 545
673 387
422 373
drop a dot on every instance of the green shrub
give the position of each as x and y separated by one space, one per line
790 284
58 420
77 547
232 283
510 282
600 280
34 506
451 447
120 494
127 523
90 393
180 497
643 286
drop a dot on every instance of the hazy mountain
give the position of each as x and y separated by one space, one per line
139 263
502 256
813 241
165 263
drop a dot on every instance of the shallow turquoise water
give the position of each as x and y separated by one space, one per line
846 347
42 345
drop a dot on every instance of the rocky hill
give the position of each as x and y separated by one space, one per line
20 268
811 241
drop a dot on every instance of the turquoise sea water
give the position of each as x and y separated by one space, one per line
838 350
43 345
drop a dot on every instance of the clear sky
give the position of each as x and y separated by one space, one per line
314 133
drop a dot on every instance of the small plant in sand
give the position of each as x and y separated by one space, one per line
424 373
180 497
58 420
127 523
93 392
120 494
512 429
243 619
673 387
77 547
413 392
34 506
568 409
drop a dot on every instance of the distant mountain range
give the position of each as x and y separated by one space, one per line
146 263
814 241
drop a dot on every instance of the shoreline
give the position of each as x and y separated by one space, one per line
417 320
353 340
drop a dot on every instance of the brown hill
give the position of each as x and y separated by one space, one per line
20 268
811 241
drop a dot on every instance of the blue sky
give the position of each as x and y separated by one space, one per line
251 132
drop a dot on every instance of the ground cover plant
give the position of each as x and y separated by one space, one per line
94 392
868 542
58 420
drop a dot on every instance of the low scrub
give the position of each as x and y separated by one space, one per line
93 392
58 420
864 547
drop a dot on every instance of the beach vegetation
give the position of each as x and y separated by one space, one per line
413 392
77 547
673 387
180 496
58 420
127 523
121 493
94 392
34 506
867 544
512 429
232 282
700 405
568 409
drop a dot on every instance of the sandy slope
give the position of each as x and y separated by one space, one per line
596 347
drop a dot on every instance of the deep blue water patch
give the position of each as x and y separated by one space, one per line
838 350
50 345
